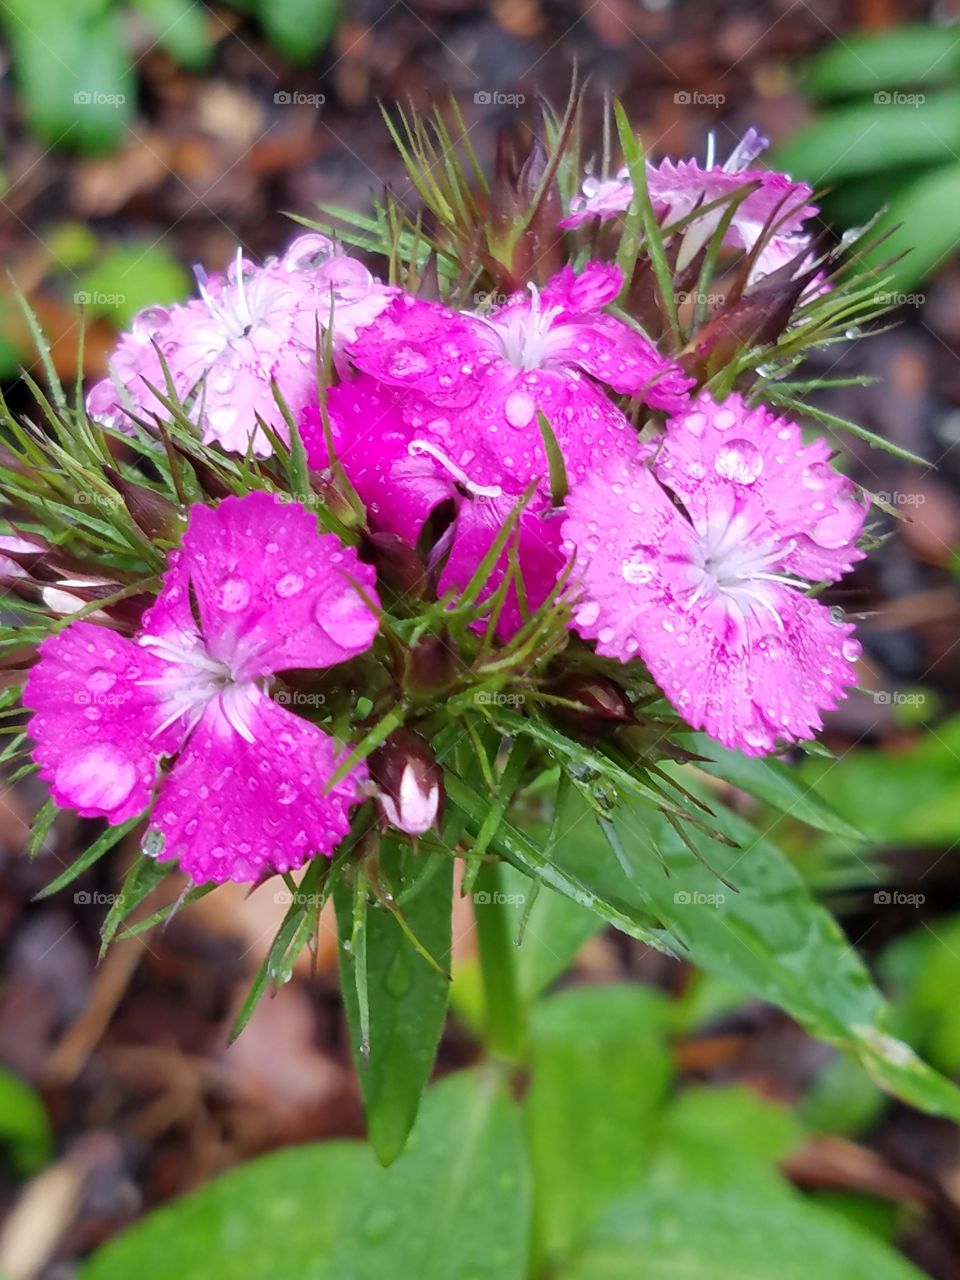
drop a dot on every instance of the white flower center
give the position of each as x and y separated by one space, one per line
528 338
241 302
195 678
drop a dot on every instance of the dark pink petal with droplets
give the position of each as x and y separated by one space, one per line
237 810
272 592
95 723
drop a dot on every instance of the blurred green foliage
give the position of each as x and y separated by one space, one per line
25 1136
75 73
888 134
602 1169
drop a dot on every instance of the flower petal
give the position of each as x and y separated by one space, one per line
237 810
94 722
272 592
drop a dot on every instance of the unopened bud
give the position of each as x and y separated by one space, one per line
150 511
399 569
432 666
603 706
409 782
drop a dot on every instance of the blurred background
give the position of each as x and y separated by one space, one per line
142 137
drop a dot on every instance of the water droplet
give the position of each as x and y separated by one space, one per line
724 419
289 585
852 649
520 408
100 680
286 793
406 362
740 460
587 615
637 572
346 620
234 595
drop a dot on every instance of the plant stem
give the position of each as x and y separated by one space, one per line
504 1015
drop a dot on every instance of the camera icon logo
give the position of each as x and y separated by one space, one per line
682 98
82 897
682 898
482 98
282 98
882 898
482 899
881 97
82 98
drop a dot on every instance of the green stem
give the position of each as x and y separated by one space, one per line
505 1025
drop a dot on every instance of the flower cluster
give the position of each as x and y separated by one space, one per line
678 533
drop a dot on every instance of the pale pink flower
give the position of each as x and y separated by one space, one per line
698 563
677 189
249 328
254 590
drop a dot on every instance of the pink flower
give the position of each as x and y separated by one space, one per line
254 590
697 564
249 327
677 189
602 198
446 410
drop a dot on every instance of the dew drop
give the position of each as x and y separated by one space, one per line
234 595
740 460
519 409
637 572
100 680
289 585
587 615
406 362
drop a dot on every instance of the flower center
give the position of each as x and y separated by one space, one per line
527 336
194 679
240 302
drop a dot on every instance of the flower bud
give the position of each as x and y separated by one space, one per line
605 707
409 782
432 666
150 511
399 568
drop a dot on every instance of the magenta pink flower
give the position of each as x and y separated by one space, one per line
249 328
677 189
254 590
710 593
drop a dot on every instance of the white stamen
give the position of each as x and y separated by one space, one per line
416 447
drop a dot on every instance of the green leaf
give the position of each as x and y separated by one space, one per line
407 996
776 784
73 70
25 1132
142 878
102 845
774 939
873 137
919 229
600 1073
455 1206
278 1215
703 1233
882 61
130 277
299 28
181 27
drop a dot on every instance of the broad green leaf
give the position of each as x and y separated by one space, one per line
919 229
922 973
871 137
278 1215
130 277
775 939
600 1072
181 27
912 797
73 70
703 1233
406 996
456 1205
25 1133
719 1135
776 784
843 1099
299 28
884 61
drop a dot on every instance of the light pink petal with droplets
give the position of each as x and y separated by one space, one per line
272 592
805 499
236 810
750 678
94 722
